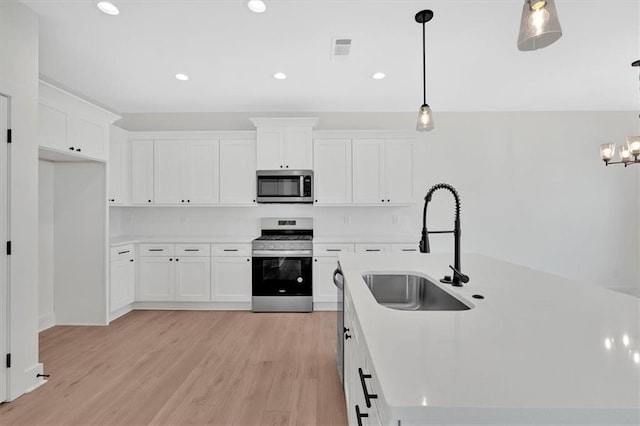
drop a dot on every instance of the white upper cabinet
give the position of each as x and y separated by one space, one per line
284 143
186 172
167 172
118 166
368 171
238 172
72 125
383 171
332 171
141 172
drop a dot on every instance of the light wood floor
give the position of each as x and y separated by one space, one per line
188 368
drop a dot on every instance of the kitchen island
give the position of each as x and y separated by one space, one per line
537 349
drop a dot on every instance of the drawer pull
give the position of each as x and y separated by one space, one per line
360 415
372 249
334 249
409 250
123 252
156 249
191 249
367 396
230 250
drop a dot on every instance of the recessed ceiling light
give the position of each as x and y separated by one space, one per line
257 6
108 8
378 76
182 77
279 76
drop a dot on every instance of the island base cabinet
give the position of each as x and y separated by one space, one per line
324 291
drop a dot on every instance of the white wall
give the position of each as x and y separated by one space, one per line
533 191
19 80
46 179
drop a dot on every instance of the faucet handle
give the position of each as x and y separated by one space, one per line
464 278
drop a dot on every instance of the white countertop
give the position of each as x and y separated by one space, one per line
117 241
538 349
363 239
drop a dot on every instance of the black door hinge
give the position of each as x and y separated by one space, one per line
8 135
8 248
8 360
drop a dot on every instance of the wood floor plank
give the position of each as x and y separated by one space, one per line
188 368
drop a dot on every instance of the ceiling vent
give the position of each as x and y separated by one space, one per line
341 48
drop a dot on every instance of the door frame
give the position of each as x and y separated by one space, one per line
5 264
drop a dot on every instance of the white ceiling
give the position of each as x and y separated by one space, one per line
128 62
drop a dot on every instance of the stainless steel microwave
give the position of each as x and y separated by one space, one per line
284 186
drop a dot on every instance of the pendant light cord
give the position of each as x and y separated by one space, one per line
424 67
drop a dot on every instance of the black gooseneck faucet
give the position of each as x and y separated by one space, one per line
458 276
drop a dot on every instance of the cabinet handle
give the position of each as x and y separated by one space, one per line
188 201
149 200
280 166
72 148
347 336
123 252
230 250
78 149
382 201
372 249
360 415
170 260
315 260
177 259
130 260
191 249
367 396
248 260
346 330
388 201
334 249
156 249
409 250
287 167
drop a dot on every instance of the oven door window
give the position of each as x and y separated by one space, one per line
281 276
279 186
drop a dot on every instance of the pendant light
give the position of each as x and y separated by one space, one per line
539 26
425 117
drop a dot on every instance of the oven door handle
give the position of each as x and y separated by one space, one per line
338 283
282 253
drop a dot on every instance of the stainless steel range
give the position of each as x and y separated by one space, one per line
282 266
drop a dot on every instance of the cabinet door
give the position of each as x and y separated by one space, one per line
298 148
323 288
117 166
237 172
269 146
119 284
90 137
193 279
231 280
200 172
141 172
332 171
53 128
368 171
167 172
156 279
399 171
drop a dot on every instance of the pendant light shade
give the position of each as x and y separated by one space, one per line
539 26
425 119
425 116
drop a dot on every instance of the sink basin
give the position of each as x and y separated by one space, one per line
411 293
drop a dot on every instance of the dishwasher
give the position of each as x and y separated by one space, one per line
338 280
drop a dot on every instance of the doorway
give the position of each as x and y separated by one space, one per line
4 236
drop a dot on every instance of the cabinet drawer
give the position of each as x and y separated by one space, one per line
121 252
373 248
405 248
193 250
331 249
151 250
231 249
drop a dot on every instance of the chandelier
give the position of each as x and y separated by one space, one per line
628 153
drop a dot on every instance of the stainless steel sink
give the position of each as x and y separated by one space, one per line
411 293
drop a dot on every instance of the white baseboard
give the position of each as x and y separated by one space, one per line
195 306
632 291
325 306
120 312
46 321
26 382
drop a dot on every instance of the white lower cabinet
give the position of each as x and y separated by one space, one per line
231 279
325 261
174 272
122 275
